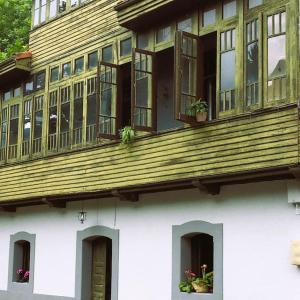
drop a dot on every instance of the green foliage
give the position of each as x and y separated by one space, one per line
127 135
199 106
186 287
14 26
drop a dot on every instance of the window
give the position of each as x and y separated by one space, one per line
38 124
53 8
254 3
91 118
21 262
143 41
93 60
28 87
52 121
276 64
27 125
54 74
65 121
74 3
107 54
185 25
40 80
163 34
252 63
14 124
97 254
79 65
39 12
62 5
7 95
229 9
209 17
66 70
3 134
227 95
78 113
195 244
125 47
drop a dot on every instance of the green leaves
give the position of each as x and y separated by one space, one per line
14 26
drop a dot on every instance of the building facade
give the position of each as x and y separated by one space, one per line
85 216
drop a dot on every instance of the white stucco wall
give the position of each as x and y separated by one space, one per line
259 226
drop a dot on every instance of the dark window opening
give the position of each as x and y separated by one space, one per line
21 271
209 68
40 80
165 91
125 76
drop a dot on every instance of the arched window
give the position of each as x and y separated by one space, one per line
97 263
197 261
21 262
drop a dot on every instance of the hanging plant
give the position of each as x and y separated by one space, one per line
127 135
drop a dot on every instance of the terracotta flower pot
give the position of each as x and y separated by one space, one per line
200 288
201 116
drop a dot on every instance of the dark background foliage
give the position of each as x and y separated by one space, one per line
15 20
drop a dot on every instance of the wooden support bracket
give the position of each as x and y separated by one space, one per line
210 188
55 204
130 197
8 208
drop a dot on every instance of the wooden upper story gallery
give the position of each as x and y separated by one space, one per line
99 65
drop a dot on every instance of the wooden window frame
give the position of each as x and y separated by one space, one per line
153 89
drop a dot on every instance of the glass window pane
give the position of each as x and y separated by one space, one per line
43 13
40 80
143 41
28 87
65 117
36 17
17 92
7 95
54 74
91 110
185 25
228 70
107 54
93 60
52 119
38 124
209 17
253 3
66 70
229 9
126 47
163 34
79 65
62 5
276 57
53 8
78 113
74 3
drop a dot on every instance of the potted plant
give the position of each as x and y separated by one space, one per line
23 275
127 135
203 284
200 109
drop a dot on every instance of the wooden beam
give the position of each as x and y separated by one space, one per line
212 188
8 208
296 172
55 204
129 197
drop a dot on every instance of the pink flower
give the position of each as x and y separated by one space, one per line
26 275
20 271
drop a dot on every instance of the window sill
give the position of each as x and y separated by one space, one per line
196 296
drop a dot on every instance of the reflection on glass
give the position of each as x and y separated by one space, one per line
252 73
229 9
38 124
79 65
91 110
65 117
54 74
40 80
107 54
74 3
17 92
7 95
78 113
52 119
93 60
185 25
209 17
66 70
53 8
62 5
143 41
13 134
254 3
228 70
276 56
125 47
163 34
3 134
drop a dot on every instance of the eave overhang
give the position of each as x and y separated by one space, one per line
14 68
139 15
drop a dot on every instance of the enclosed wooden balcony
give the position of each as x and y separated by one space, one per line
251 147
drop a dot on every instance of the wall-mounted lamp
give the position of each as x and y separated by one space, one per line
82 216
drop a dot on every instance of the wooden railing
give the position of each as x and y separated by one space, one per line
64 139
91 133
2 154
25 148
37 145
77 136
52 142
12 151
